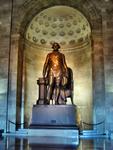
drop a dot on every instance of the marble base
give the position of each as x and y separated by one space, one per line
53 116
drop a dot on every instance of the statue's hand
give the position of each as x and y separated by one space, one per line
44 76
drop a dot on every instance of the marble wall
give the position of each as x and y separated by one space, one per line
108 66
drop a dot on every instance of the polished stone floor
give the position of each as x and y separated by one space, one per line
22 143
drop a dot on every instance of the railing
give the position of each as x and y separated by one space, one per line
99 125
93 124
15 124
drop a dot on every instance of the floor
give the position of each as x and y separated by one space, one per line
22 143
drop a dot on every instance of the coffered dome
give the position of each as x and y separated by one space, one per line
61 24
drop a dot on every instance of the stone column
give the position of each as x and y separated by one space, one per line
12 95
108 62
5 24
22 88
98 84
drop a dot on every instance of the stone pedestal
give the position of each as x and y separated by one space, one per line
42 82
53 116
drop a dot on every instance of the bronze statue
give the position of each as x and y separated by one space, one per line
55 69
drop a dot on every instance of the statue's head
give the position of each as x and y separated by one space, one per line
55 46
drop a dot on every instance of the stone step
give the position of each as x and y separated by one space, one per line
49 132
88 132
49 136
54 132
91 133
22 131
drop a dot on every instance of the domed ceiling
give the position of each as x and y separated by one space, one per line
61 24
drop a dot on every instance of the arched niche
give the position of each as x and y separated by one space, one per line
70 28
26 14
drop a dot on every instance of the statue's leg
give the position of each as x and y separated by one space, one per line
50 88
57 89
63 85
